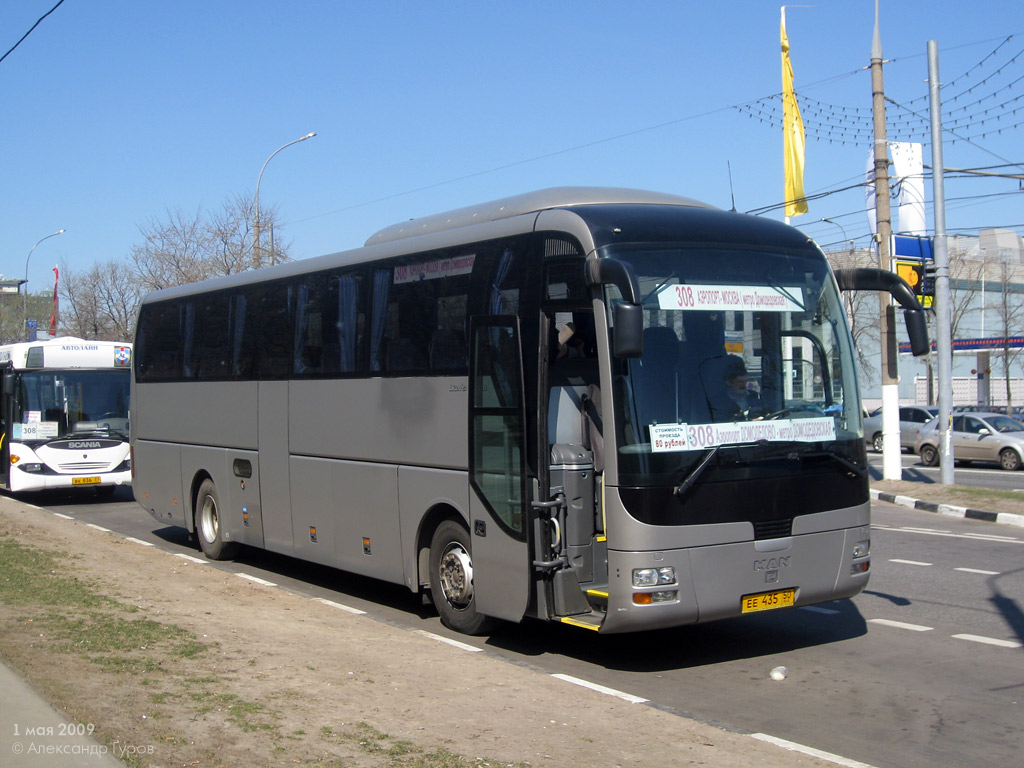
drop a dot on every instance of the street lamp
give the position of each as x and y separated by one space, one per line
24 299
256 226
841 228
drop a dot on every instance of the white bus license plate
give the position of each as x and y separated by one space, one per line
767 601
84 480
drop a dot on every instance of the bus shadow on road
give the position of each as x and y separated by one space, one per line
692 646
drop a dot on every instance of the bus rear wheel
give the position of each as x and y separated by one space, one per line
451 580
209 525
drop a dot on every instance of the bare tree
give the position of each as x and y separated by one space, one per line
99 303
1010 312
186 248
861 311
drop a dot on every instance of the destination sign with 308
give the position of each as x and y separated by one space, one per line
737 298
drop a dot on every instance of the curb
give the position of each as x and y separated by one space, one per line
1004 518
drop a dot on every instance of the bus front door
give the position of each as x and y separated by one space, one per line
499 491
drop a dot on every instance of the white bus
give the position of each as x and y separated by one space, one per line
522 408
64 415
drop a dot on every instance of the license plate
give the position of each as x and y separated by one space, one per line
767 601
84 480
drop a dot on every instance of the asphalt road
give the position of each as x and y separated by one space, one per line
924 668
975 475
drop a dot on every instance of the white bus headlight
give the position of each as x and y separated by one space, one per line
653 577
861 549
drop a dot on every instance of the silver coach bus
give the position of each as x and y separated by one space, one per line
617 409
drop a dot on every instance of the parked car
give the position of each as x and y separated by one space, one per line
977 436
912 418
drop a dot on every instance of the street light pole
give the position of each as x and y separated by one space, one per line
256 255
24 298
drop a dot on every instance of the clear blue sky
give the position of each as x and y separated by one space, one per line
115 112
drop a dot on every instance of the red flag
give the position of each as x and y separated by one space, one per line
53 317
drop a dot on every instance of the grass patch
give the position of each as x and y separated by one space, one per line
399 753
73 615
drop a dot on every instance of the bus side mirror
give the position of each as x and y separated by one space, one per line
917 330
629 329
871 279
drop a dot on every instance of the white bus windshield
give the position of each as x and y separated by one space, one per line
55 404
744 350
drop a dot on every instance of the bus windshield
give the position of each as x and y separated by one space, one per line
56 404
746 360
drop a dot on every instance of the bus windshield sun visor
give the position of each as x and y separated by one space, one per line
872 279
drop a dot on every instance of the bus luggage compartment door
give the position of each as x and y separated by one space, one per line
499 495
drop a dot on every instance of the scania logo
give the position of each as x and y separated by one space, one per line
79 445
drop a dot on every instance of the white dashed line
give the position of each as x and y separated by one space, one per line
449 641
908 562
256 579
61 514
98 527
976 570
602 689
900 625
191 559
989 641
340 607
794 747
137 541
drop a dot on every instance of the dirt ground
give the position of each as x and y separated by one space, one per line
270 678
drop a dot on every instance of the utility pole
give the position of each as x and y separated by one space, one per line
892 466
943 324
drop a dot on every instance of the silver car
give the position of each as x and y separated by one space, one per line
976 437
912 419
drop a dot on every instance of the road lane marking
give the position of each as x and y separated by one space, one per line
191 559
99 527
256 579
977 570
340 607
133 540
61 514
989 641
908 562
449 641
601 689
900 625
969 536
792 746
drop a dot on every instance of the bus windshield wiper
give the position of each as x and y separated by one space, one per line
697 471
853 467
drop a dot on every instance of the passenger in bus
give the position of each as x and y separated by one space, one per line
570 343
746 403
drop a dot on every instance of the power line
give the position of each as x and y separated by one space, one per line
38 22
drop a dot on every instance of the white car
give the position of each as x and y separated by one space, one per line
976 437
912 418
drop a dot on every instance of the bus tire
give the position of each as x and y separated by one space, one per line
209 524
451 580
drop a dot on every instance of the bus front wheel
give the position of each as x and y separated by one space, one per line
451 580
210 526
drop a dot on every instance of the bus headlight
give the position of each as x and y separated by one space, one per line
653 577
30 467
861 549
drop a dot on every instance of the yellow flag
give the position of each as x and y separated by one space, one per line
793 135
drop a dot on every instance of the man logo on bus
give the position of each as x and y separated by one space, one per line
122 355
